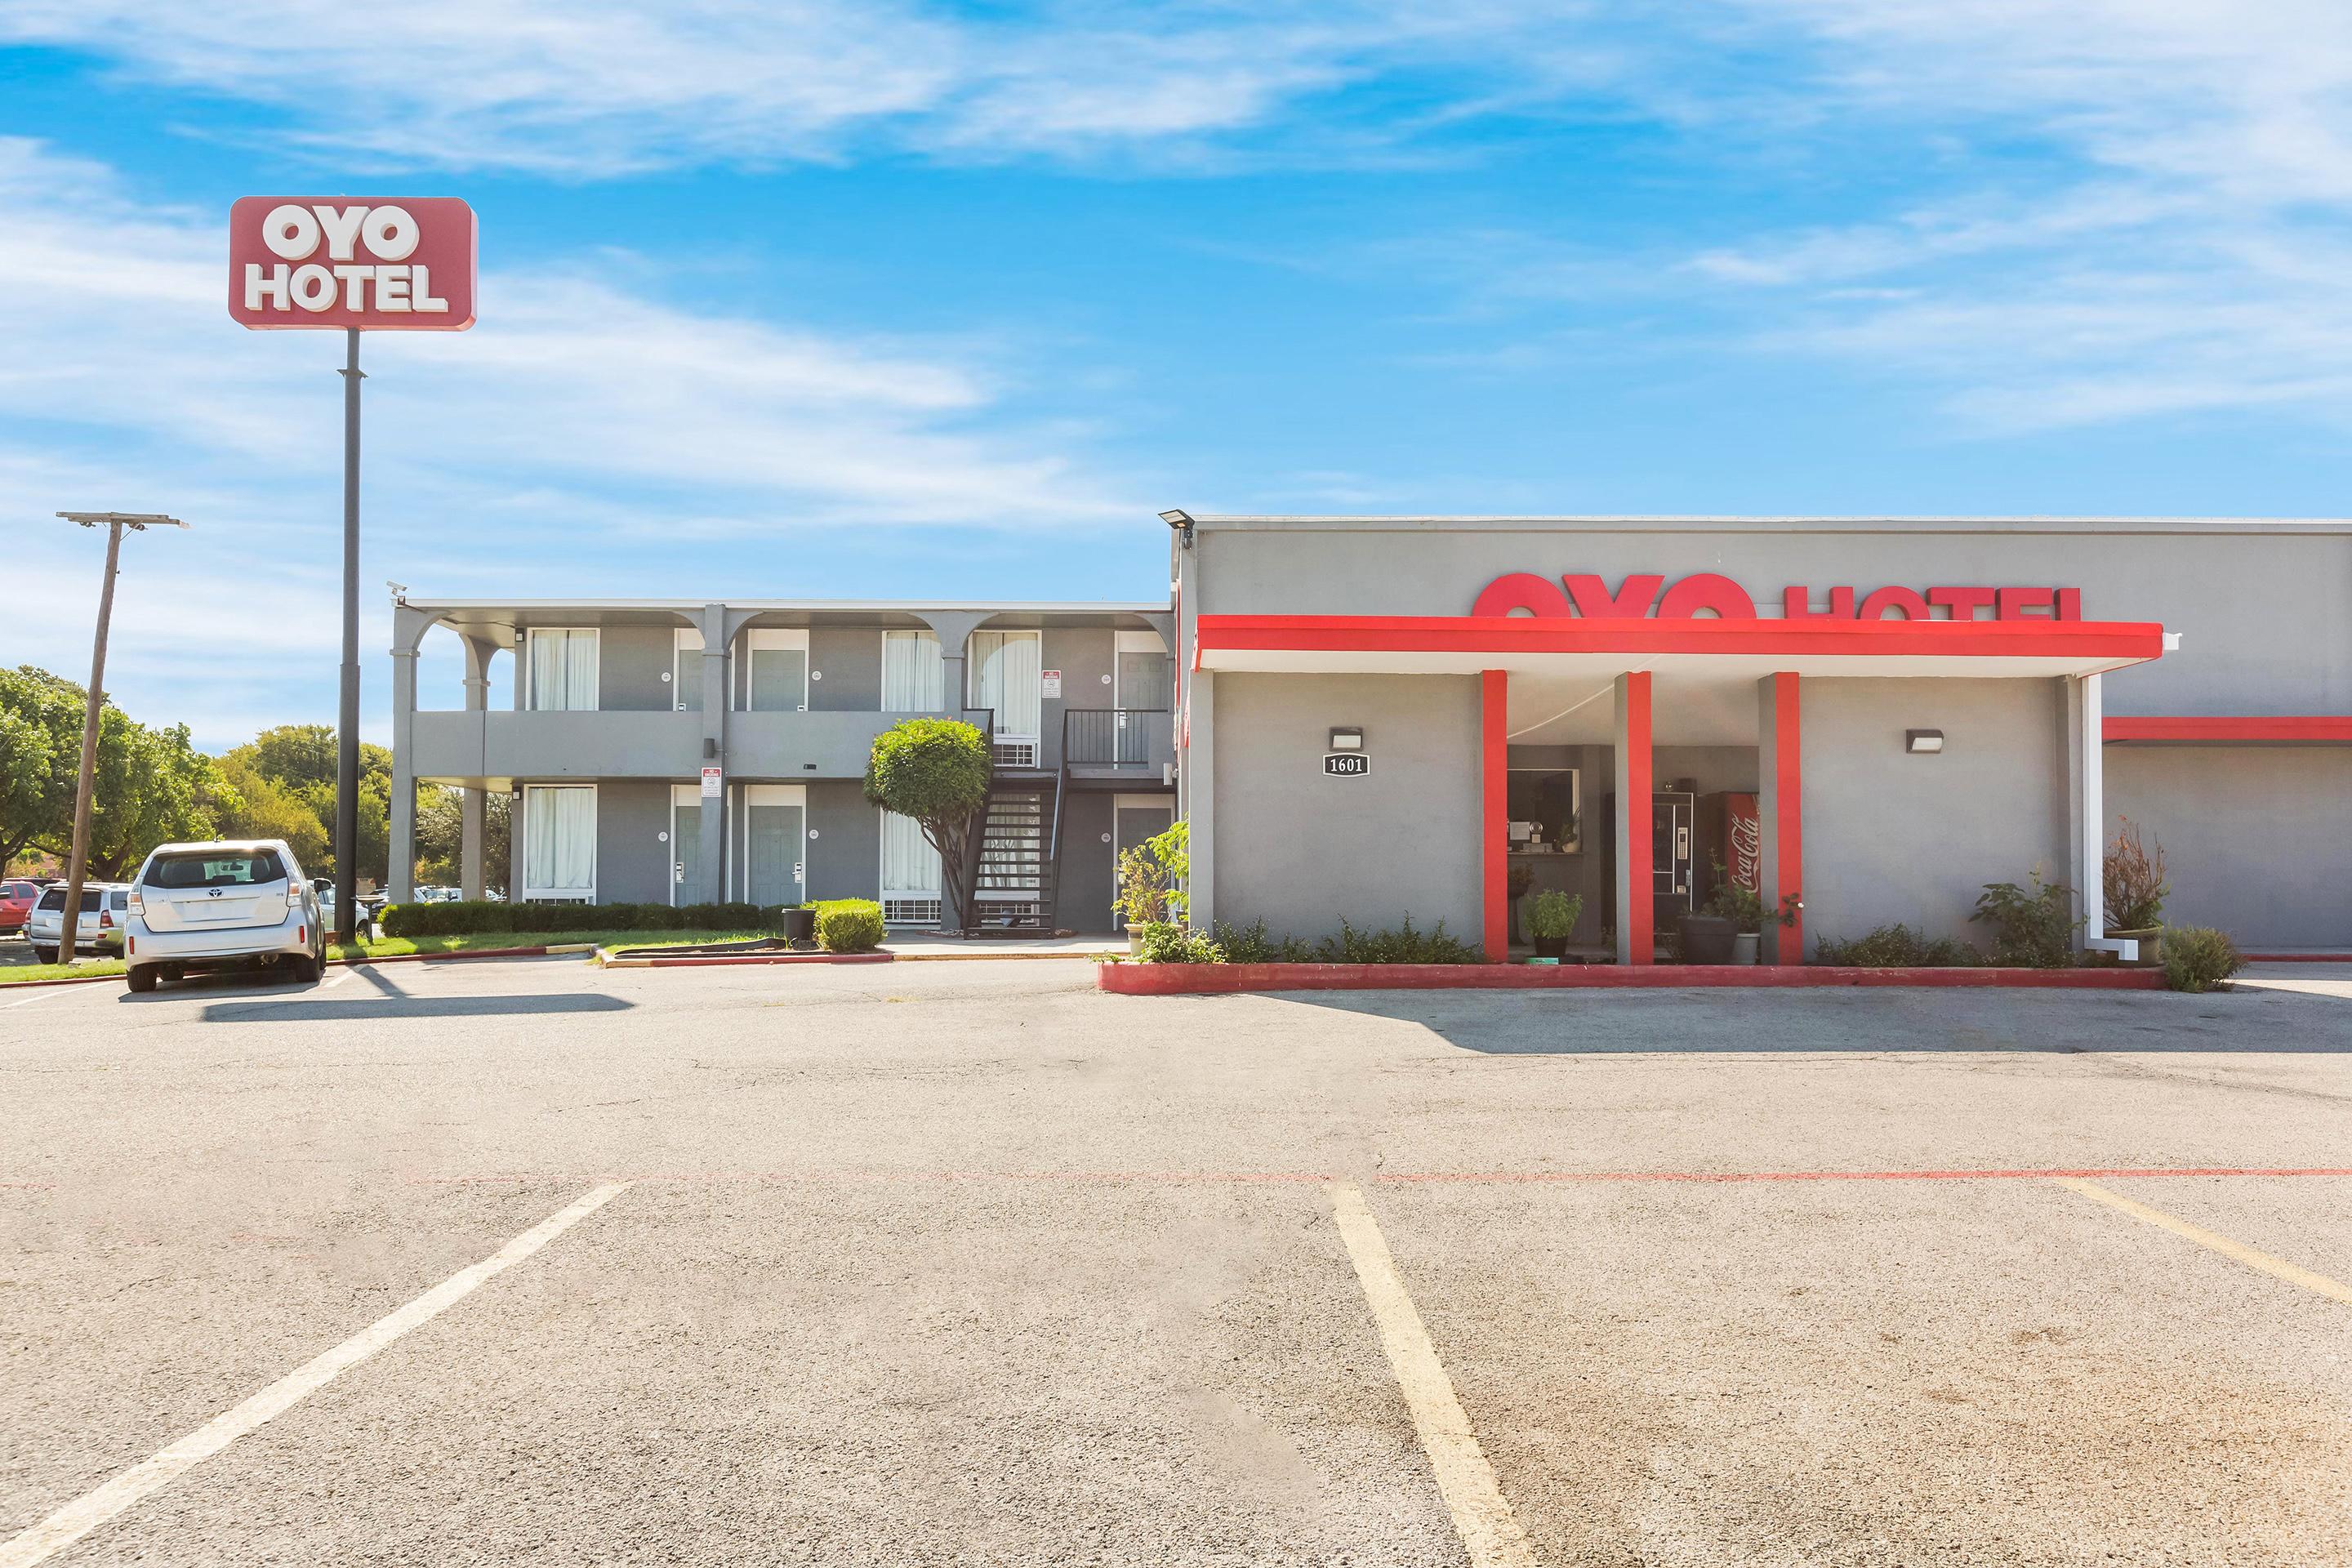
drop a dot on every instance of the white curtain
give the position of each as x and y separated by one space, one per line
914 674
910 867
560 827
564 671
1005 668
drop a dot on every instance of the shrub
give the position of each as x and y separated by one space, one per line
1250 944
1551 915
467 919
1896 947
1166 943
2132 881
1403 945
848 925
2198 958
2030 930
1152 878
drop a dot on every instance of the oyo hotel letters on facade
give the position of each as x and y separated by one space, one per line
1372 718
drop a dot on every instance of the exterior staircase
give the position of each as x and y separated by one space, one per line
1013 890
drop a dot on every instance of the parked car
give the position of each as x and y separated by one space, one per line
17 900
371 905
233 902
105 908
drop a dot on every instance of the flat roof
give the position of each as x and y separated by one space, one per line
893 607
1782 524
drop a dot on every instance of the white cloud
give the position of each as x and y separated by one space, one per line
576 412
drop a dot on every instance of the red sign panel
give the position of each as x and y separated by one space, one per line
387 264
1638 596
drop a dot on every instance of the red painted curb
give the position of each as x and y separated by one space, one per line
469 952
1214 979
721 962
2297 957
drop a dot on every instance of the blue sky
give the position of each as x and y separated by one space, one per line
862 298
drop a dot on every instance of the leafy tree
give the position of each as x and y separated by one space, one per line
40 758
264 808
440 836
300 759
935 771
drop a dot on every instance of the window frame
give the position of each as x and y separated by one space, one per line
530 894
531 669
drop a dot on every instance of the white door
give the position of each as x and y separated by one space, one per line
775 844
686 844
685 671
1007 675
775 679
1140 692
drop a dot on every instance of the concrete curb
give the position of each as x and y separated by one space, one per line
2297 957
63 980
1090 955
1222 979
471 952
723 961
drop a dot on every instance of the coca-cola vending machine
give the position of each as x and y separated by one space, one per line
1730 834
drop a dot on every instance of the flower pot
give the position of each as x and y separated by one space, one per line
1135 939
1707 939
1743 947
1554 947
2151 942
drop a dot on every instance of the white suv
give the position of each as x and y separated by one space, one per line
98 928
205 905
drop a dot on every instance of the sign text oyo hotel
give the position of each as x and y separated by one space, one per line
386 264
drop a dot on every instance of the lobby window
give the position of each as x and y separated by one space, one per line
1543 810
562 669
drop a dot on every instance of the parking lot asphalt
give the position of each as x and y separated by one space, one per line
970 1263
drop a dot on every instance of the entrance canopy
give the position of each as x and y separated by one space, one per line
1704 671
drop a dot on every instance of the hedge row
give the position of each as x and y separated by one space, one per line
848 925
466 918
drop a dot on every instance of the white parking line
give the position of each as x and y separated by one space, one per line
1482 1515
44 994
87 1512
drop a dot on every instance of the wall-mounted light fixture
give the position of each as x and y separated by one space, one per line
1182 521
1347 738
1923 742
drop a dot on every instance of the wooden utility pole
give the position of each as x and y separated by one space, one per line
76 861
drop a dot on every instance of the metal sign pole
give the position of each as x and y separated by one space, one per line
347 760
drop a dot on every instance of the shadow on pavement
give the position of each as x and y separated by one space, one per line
2246 1021
359 1008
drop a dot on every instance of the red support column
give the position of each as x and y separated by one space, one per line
1636 886
1494 817
1787 823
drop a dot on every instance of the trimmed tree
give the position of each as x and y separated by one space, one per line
936 772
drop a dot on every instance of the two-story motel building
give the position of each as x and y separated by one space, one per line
1377 717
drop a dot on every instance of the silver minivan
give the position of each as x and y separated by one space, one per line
203 906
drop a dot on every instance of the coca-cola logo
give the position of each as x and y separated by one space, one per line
1646 595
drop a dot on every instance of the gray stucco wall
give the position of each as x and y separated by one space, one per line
1891 837
1713 768
849 661
1299 850
2257 840
633 865
630 664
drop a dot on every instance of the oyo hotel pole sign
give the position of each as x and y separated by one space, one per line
380 264
1643 593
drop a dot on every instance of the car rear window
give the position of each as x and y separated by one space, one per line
119 899
236 869
55 898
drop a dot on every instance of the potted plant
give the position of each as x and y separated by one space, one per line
1150 883
1551 919
2134 887
1741 904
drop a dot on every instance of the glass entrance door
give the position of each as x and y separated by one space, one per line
775 837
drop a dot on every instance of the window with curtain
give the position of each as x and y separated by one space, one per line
563 670
914 673
560 838
910 867
1005 667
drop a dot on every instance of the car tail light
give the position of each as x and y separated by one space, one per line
138 903
104 920
293 894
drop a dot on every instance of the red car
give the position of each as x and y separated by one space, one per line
16 905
